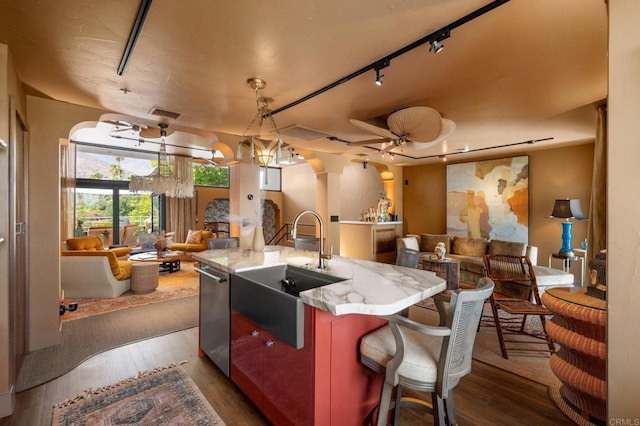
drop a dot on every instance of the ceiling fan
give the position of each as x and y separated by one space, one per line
123 126
416 127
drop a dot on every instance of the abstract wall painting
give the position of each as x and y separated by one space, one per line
489 199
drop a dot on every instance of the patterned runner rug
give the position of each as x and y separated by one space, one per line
164 396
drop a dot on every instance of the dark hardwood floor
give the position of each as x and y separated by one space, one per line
487 396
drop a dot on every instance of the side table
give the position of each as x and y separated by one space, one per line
144 277
566 263
448 270
579 327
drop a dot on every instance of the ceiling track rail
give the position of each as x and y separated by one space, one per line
449 154
438 35
141 141
145 5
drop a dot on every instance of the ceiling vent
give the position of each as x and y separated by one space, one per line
164 113
301 132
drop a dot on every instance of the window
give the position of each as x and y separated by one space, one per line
103 202
272 182
104 163
215 176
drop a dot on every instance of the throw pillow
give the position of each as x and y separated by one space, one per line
465 246
509 248
194 237
428 242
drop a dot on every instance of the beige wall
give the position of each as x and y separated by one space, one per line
554 173
49 122
623 275
12 102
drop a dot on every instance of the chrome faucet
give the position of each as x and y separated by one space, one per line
321 255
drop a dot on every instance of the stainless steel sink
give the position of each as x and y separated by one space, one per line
270 298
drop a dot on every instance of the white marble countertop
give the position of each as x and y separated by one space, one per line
369 288
364 222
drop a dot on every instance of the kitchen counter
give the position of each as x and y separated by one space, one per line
320 380
369 288
363 222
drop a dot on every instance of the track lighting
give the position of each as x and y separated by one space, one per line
436 46
435 43
377 67
379 78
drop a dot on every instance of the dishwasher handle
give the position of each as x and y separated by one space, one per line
207 274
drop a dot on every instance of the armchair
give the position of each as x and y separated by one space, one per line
94 274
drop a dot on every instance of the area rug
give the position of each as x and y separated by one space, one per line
88 336
164 396
183 283
487 349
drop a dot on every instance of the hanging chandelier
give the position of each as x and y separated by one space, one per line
262 137
172 177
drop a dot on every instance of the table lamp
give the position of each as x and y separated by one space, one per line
567 209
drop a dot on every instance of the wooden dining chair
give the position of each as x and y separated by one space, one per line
516 294
426 358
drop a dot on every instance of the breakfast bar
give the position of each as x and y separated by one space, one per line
322 381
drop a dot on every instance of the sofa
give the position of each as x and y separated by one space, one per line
93 244
196 241
468 251
93 274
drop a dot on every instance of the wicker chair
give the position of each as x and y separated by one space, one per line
425 358
516 293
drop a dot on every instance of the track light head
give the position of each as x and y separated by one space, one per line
436 46
377 67
364 164
379 78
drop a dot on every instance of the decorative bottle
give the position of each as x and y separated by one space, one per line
258 239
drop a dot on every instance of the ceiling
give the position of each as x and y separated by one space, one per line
527 70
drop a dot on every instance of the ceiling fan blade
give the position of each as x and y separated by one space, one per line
153 133
204 161
448 127
370 141
416 123
389 148
118 123
383 133
121 129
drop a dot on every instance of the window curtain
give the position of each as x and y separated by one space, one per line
181 213
597 229
181 207
67 188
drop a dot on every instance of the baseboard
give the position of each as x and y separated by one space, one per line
7 402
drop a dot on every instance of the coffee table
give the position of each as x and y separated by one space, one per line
169 261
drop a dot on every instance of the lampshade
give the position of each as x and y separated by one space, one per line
568 209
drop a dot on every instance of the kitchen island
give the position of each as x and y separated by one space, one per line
323 382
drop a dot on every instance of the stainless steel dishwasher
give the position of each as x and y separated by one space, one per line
215 324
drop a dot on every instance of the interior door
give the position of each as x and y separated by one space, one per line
18 192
